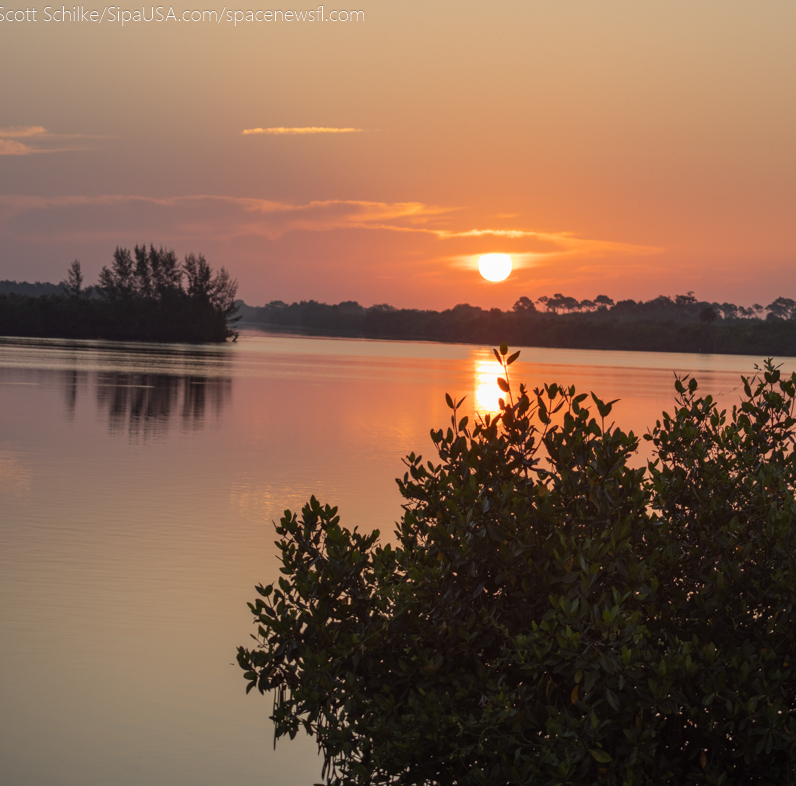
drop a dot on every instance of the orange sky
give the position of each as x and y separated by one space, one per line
629 148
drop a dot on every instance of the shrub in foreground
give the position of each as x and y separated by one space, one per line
552 614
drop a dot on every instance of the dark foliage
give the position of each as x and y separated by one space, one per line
661 325
24 288
551 614
707 315
144 296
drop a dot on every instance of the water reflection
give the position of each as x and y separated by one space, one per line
59 354
487 392
144 404
71 380
14 475
141 405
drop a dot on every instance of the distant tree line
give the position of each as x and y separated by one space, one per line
8 287
146 295
664 324
680 308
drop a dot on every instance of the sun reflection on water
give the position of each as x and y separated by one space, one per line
487 392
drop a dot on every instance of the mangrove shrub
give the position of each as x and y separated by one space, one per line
552 612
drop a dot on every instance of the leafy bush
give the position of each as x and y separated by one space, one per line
552 614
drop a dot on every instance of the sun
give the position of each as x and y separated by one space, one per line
495 267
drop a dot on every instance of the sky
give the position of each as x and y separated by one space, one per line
618 147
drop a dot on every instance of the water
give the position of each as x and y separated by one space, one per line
137 489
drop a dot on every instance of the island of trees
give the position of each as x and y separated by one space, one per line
146 295
665 324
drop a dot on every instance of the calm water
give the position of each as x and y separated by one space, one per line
137 490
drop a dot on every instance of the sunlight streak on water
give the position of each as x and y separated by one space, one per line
487 392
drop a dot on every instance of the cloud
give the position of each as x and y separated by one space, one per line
21 132
226 219
305 130
221 218
510 233
39 136
10 147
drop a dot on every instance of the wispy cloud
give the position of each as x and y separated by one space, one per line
221 218
510 233
304 130
10 136
37 140
21 132
227 220
10 147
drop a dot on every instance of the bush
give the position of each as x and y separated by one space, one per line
551 614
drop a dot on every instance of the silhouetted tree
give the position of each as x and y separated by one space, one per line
351 307
558 302
685 300
563 302
603 301
707 315
118 282
524 306
782 308
199 277
73 286
141 297
143 272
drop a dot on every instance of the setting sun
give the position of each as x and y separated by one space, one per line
495 267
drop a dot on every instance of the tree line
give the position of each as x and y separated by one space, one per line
680 306
145 295
679 324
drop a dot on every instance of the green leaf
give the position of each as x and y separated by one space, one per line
604 407
504 349
503 385
600 756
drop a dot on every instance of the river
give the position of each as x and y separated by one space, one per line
137 489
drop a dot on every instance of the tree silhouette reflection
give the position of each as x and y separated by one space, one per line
71 380
143 405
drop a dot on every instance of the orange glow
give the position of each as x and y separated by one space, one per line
662 168
487 392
